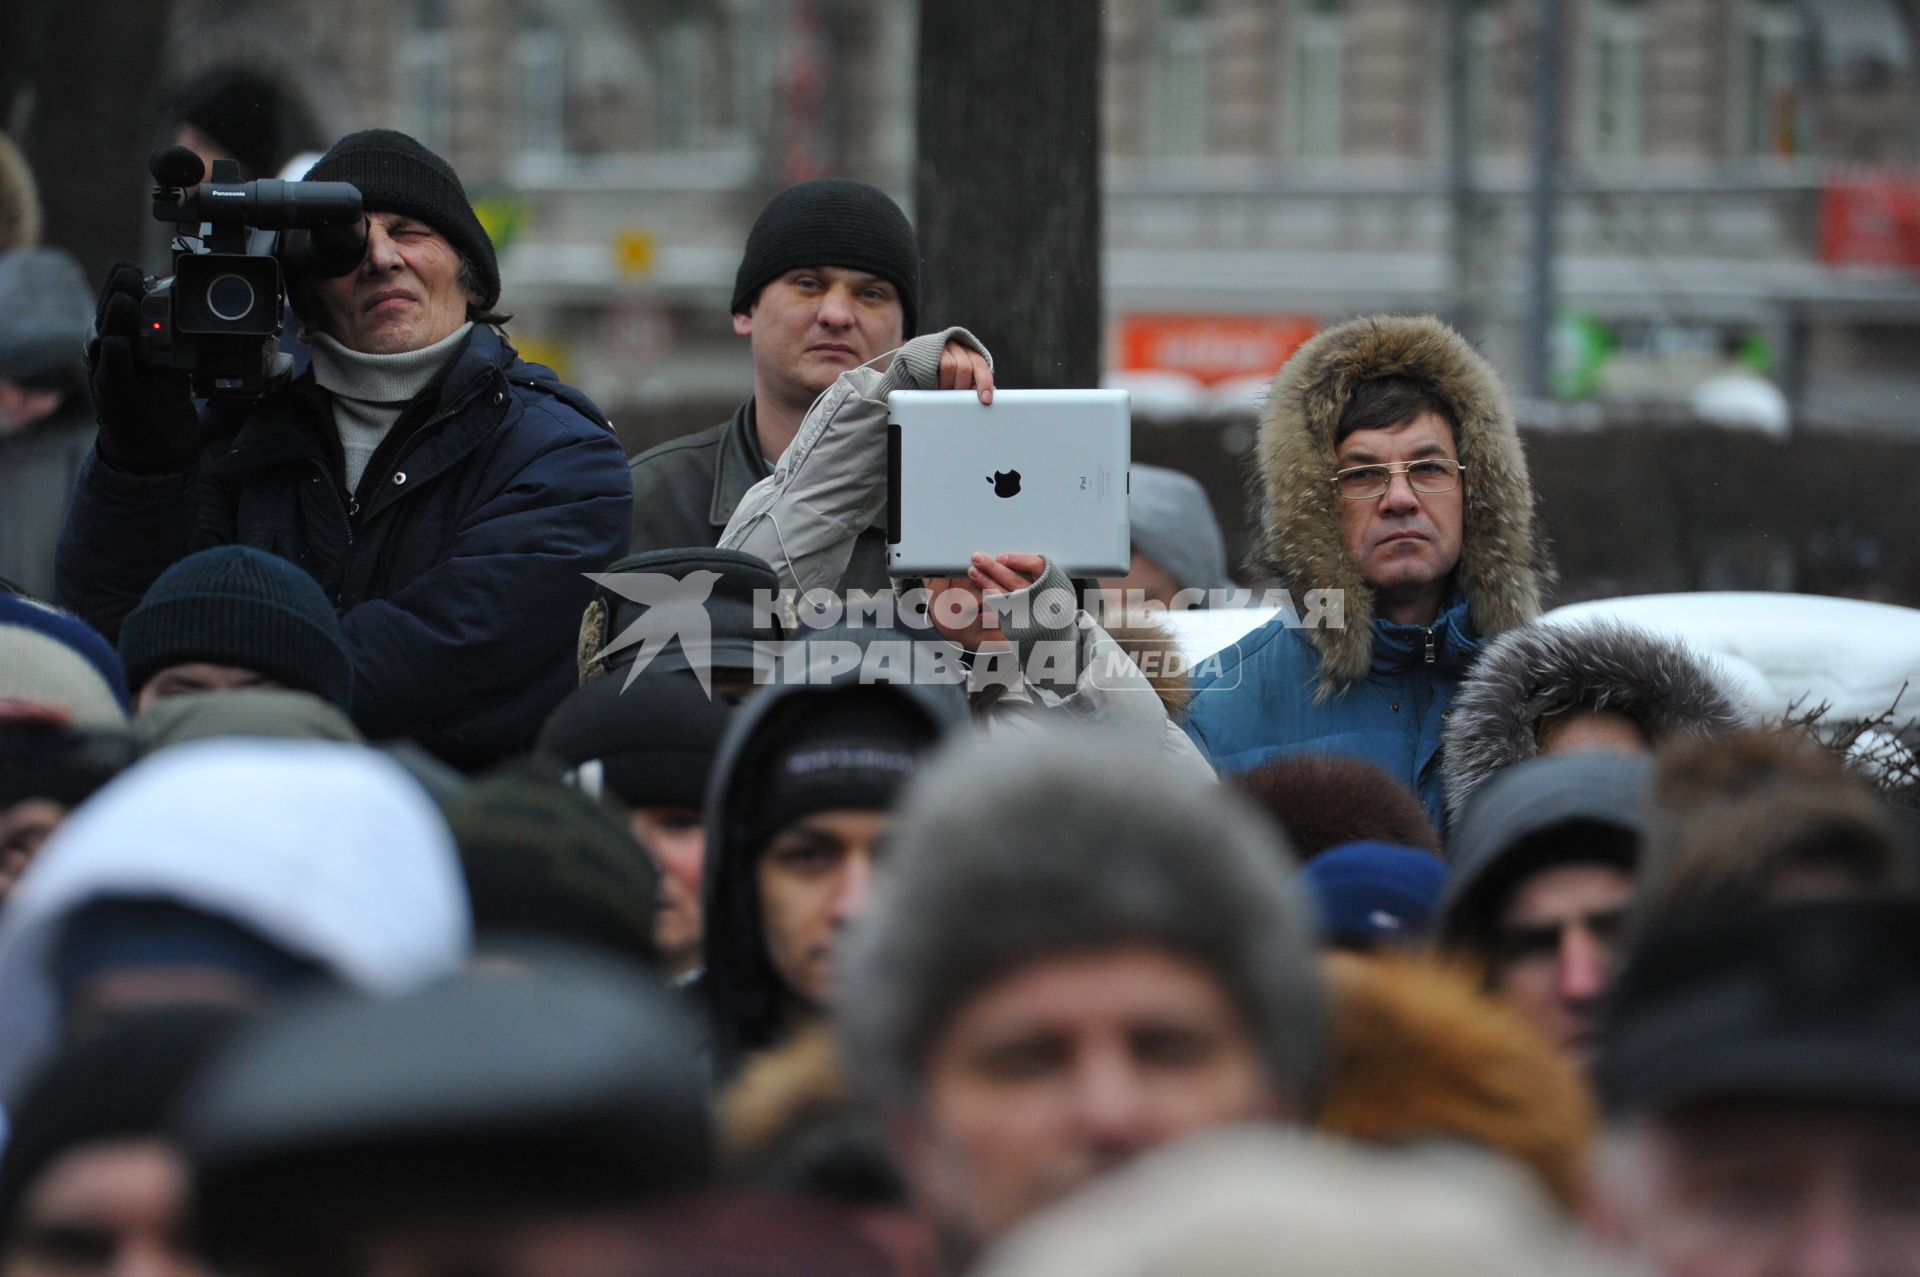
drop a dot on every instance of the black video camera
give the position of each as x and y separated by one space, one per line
219 315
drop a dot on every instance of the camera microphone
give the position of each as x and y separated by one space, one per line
177 166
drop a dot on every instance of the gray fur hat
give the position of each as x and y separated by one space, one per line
1527 673
1009 852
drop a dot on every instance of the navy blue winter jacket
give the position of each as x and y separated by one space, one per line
456 566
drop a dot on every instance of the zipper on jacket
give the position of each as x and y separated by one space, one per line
1430 645
349 504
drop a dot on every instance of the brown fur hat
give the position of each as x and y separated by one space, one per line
1421 1053
1744 814
1503 569
1324 800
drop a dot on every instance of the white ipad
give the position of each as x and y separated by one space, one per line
1035 472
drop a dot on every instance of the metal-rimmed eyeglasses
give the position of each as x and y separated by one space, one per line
1430 474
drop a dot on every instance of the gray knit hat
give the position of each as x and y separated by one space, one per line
1173 524
1087 844
45 310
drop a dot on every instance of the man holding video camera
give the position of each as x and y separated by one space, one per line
447 495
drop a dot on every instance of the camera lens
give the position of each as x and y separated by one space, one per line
230 297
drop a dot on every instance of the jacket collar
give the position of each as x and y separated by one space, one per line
739 466
300 425
1451 639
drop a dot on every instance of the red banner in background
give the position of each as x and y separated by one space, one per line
1212 348
1871 221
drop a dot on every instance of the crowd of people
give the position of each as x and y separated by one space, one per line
434 843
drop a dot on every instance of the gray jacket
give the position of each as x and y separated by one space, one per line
685 490
38 468
831 485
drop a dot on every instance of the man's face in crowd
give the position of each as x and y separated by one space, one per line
1593 732
1061 1070
1403 542
196 676
116 1208
676 838
810 325
405 295
814 879
23 827
1754 1188
1553 950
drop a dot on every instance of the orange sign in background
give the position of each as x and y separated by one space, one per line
1211 348
1871 221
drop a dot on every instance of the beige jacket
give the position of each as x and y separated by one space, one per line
831 483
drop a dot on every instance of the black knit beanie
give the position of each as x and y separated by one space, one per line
396 174
857 751
234 605
655 740
832 222
545 859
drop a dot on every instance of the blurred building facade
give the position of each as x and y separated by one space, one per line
1741 177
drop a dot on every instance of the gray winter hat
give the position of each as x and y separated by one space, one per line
1086 844
45 311
1174 525
1500 838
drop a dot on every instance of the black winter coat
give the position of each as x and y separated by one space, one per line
456 566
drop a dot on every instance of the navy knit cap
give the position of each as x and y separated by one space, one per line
1370 893
832 221
234 605
396 174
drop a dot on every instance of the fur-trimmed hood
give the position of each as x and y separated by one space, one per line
1422 1054
1661 684
1156 652
1503 569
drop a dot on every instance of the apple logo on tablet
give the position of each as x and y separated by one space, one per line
1006 483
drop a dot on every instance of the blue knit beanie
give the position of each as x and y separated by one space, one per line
233 605
1373 893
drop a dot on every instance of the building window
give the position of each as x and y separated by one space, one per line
1177 80
1613 55
1312 79
693 102
1764 80
424 74
540 90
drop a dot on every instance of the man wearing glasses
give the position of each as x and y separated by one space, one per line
1399 516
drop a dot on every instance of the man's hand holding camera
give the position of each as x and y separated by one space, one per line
148 424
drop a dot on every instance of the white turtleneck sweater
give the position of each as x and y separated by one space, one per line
369 391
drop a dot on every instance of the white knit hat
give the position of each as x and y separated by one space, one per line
53 660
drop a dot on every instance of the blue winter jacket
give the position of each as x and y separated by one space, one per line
1256 703
456 565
